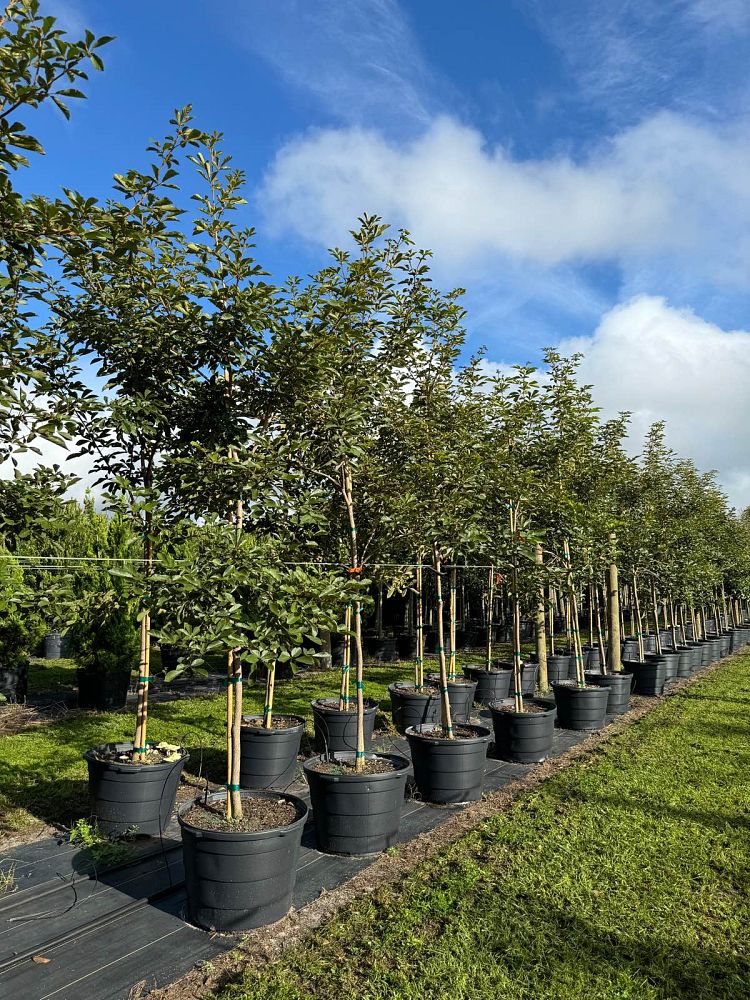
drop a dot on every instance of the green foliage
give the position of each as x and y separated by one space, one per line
102 851
104 638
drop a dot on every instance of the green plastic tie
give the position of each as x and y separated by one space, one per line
233 680
345 669
139 749
267 709
233 788
360 685
144 679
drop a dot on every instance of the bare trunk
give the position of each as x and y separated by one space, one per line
516 616
656 617
551 620
614 659
490 607
144 666
346 661
453 623
419 663
599 635
268 703
447 721
541 636
355 569
639 620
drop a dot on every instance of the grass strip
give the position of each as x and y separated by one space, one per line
624 876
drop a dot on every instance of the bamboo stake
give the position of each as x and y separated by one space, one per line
346 660
490 607
453 612
551 620
573 618
419 664
599 636
639 619
268 703
614 657
541 637
516 615
347 492
656 616
447 721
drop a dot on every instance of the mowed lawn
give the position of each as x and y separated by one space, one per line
625 876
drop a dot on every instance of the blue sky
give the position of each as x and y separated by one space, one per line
580 166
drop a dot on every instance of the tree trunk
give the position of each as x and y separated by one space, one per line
541 635
614 659
447 721
490 608
346 659
453 610
419 662
144 666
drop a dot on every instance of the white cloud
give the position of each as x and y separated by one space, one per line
665 363
669 186
52 454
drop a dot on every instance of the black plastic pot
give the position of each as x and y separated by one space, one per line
14 681
670 660
448 771
412 708
406 646
132 797
685 662
592 658
558 668
580 708
102 691
238 881
523 737
492 685
619 686
268 757
696 655
356 813
382 648
460 696
725 645
53 643
650 675
336 731
529 673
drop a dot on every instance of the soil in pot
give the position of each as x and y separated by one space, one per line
240 874
448 771
412 707
524 737
268 757
580 707
336 729
356 813
134 798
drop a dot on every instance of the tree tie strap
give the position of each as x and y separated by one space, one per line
139 749
234 680
345 668
360 685
267 709
233 788
144 679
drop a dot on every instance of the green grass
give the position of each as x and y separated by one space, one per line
625 876
51 676
42 774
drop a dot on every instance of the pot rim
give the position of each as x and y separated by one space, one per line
431 692
549 709
120 765
245 835
370 705
403 763
299 724
483 734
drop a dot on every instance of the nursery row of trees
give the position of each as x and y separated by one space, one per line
266 450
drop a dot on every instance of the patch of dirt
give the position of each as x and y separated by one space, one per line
277 722
15 718
577 687
459 733
428 692
333 703
257 814
529 707
257 948
373 765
